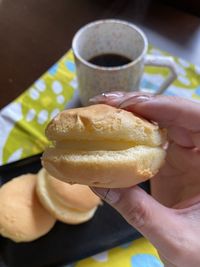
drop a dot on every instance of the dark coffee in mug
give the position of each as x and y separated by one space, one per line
118 52
110 60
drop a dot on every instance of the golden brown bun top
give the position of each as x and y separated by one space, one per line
103 122
76 196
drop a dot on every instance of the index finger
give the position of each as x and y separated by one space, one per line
180 116
166 110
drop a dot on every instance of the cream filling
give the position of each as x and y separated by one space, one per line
86 145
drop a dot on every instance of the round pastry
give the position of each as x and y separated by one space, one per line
22 217
103 146
72 204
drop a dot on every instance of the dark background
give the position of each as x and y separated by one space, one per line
36 33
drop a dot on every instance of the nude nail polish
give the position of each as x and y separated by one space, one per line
135 100
109 195
105 96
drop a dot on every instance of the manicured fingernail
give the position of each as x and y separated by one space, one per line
135 100
95 99
105 96
109 195
113 94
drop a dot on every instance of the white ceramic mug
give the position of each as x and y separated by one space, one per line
114 37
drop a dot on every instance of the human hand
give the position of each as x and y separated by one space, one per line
171 218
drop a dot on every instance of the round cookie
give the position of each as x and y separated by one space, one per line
72 204
22 217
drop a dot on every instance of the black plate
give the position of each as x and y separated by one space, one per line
64 243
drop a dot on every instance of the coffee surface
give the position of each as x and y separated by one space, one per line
110 60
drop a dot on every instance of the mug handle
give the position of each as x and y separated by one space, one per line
161 61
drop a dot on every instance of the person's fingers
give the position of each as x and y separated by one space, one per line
179 115
156 222
117 97
166 262
188 202
173 111
177 179
174 232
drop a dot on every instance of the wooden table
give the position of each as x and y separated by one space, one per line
36 33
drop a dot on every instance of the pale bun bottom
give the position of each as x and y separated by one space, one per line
58 209
107 169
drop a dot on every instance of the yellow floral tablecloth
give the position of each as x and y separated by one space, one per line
23 121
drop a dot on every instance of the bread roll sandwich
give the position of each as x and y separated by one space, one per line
22 217
103 146
71 204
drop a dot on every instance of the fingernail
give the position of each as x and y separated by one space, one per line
113 94
95 99
109 195
104 96
135 100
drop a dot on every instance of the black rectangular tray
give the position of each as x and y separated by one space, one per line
64 244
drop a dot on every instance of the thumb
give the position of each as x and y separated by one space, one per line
157 223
